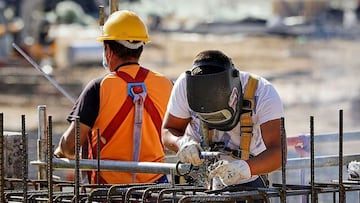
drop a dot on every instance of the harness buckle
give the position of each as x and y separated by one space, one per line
136 89
248 104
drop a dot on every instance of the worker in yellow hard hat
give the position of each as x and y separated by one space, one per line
126 106
124 26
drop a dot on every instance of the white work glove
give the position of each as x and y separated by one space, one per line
230 172
189 151
354 170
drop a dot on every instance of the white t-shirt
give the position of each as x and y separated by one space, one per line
268 106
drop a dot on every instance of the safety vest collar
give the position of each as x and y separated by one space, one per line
125 64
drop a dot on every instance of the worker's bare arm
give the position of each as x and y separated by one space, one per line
172 130
271 134
66 147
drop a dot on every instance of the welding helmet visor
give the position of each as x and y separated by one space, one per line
214 93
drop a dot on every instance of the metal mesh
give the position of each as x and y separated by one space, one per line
49 190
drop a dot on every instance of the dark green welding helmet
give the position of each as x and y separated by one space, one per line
214 92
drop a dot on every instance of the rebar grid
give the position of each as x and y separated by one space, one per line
2 174
164 192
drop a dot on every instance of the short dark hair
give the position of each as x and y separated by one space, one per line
210 61
122 51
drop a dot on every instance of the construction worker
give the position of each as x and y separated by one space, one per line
242 113
125 107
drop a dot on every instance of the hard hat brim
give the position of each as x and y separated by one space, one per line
103 38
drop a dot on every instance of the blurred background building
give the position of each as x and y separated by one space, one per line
48 28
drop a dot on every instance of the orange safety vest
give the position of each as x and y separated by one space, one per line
115 122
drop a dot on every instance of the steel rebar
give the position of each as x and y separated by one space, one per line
178 193
283 160
342 196
25 158
312 161
49 161
77 160
2 174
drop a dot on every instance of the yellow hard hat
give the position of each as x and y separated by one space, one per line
124 25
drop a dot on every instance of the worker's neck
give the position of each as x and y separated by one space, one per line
115 65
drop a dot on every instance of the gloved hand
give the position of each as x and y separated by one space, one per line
58 153
354 170
230 172
189 151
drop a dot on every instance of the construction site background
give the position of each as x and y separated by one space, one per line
307 48
310 63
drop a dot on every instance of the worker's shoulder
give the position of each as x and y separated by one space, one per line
96 81
155 75
246 76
